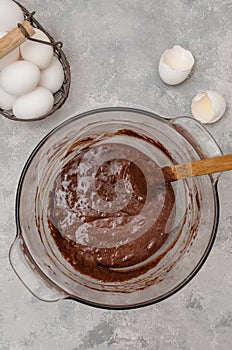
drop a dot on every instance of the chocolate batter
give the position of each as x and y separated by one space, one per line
109 210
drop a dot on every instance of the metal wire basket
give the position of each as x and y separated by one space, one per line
61 95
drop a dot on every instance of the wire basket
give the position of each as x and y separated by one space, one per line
61 95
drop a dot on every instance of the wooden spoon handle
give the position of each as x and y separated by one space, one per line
197 168
15 38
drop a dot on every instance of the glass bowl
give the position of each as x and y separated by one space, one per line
36 258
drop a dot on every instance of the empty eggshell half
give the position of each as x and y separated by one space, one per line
208 106
53 76
19 78
175 65
6 100
10 15
33 105
37 53
11 57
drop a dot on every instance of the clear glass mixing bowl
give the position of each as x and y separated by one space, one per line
37 260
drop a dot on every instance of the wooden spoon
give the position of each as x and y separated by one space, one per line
197 168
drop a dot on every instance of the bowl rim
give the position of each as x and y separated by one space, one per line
107 306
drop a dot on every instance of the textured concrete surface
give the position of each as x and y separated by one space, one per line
114 48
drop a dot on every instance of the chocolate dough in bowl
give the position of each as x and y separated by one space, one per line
96 221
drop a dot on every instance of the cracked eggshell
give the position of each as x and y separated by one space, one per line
208 106
11 57
38 53
10 15
175 65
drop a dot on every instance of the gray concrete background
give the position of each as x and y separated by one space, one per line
114 47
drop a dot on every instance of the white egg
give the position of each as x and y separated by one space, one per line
37 53
11 57
6 100
20 78
175 65
53 76
10 15
33 105
208 106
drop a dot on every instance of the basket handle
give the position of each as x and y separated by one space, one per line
15 38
